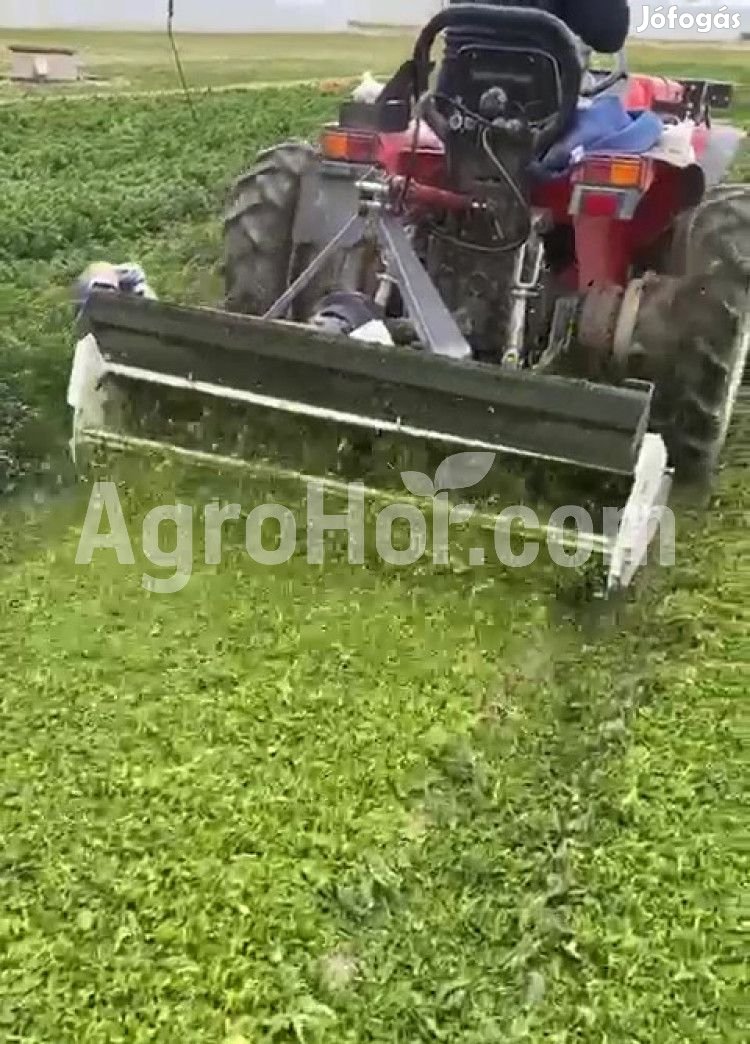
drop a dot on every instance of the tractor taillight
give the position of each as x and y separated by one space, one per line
610 186
632 172
352 146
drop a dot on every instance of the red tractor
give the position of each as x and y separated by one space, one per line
433 212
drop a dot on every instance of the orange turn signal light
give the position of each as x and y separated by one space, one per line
351 146
626 173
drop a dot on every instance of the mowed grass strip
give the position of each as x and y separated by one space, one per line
370 804
195 788
581 867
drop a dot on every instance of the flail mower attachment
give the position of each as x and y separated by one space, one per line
152 375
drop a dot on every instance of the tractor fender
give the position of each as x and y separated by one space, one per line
716 150
328 200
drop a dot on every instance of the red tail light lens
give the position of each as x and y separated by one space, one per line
600 204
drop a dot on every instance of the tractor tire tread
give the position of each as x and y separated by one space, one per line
709 325
258 224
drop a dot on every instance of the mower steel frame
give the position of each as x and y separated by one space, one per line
93 386
296 369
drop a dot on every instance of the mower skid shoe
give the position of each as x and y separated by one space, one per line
642 516
385 389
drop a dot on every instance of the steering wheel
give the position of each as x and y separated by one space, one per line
620 72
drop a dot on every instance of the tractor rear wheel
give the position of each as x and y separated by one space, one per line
258 227
708 327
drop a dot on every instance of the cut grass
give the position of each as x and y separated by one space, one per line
367 804
256 755
338 805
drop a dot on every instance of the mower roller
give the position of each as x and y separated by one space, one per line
458 264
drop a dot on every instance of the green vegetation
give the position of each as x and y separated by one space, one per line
144 61
337 805
363 805
120 178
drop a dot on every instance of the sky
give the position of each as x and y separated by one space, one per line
244 14
189 14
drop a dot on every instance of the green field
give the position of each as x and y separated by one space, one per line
335 804
144 61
